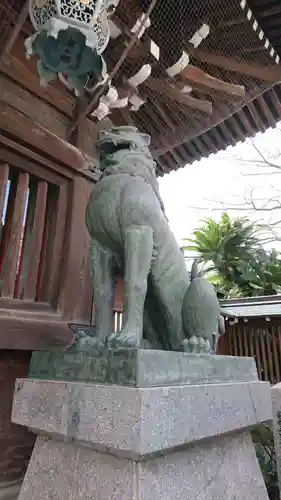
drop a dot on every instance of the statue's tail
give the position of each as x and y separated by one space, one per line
195 273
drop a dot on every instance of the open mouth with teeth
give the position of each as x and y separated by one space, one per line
108 148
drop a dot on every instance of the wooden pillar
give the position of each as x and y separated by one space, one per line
75 301
16 443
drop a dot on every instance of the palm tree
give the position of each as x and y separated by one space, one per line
269 272
233 258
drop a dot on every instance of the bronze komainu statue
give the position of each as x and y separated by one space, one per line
126 220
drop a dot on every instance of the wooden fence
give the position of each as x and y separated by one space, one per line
258 339
31 214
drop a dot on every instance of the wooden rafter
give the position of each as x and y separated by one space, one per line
196 76
165 117
161 116
175 94
5 49
91 105
266 111
272 11
270 74
174 140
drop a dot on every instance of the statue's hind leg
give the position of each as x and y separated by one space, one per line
103 295
138 248
103 289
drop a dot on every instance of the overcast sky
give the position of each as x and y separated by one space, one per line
224 177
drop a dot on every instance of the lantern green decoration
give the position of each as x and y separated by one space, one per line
67 54
70 37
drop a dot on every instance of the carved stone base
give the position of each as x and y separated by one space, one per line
141 367
163 440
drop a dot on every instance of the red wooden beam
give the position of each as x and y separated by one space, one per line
91 105
15 31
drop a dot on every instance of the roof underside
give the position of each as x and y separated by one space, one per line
233 52
268 14
262 113
252 307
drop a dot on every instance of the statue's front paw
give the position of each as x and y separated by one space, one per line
86 343
197 345
122 340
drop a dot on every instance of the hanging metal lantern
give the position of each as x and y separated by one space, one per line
70 38
77 13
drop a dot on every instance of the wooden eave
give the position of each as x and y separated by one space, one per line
180 134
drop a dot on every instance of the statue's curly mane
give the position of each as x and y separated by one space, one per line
130 155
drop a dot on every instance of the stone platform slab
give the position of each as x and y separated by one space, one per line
141 367
135 422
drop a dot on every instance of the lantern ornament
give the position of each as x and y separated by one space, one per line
69 38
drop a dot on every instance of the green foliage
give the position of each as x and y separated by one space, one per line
262 436
234 259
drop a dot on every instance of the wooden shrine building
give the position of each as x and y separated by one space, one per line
253 328
197 76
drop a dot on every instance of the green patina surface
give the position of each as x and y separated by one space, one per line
116 367
130 232
140 367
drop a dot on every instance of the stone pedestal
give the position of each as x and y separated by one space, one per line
177 427
276 410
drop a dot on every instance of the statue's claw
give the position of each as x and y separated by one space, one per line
207 347
197 345
190 345
125 340
85 342
88 339
122 340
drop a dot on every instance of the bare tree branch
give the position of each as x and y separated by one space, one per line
263 163
259 174
266 161
250 204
